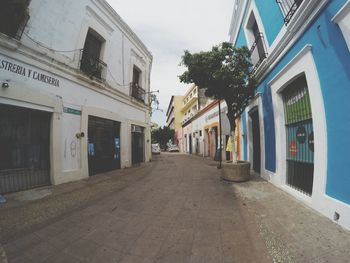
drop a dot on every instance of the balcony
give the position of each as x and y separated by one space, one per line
137 92
289 7
92 66
14 16
258 51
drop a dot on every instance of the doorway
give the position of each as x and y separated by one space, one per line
24 148
103 145
137 145
254 116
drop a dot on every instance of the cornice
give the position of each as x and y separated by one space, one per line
119 22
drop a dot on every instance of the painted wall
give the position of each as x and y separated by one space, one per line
332 60
51 45
272 16
66 30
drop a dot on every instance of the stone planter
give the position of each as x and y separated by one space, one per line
235 172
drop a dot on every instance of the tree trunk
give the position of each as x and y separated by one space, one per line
232 121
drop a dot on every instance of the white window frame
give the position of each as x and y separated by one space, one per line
342 18
302 63
252 9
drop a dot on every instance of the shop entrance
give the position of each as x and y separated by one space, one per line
299 135
190 143
137 144
103 145
24 148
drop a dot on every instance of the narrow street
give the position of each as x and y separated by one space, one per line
175 209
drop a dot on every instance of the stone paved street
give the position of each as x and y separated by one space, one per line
175 209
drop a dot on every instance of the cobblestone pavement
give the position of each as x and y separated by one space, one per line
174 209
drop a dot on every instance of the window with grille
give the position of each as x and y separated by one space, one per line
299 136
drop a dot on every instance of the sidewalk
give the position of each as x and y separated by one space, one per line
292 231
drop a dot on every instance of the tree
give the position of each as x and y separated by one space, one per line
225 73
162 136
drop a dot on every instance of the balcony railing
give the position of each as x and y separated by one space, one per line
289 7
137 92
258 51
14 17
92 66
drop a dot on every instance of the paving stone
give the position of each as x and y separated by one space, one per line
175 209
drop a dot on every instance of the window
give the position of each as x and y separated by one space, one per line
258 50
14 16
136 90
342 18
90 62
289 7
200 133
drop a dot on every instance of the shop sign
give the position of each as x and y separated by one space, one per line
18 69
311 141
301 134
71 111
215 114
293 149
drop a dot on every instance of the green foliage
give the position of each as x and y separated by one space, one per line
225 73
162 136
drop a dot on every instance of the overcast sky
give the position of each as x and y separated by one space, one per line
168 28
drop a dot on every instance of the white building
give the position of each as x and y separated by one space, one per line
74 95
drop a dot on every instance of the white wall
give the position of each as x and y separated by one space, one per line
57 26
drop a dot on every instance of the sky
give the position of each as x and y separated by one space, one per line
167 28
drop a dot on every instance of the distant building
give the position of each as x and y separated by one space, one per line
295 130
74 92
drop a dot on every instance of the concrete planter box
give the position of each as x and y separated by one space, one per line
235 172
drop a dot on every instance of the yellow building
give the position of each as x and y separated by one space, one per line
174 115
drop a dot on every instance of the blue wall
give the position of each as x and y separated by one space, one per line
332 60
272 16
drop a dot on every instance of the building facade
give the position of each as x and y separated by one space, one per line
294 130
74 95
174 116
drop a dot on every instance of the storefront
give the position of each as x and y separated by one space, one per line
25 148
137 144
103 145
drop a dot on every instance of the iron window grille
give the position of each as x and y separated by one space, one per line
137 92
14 16
92 66
258 51
289 7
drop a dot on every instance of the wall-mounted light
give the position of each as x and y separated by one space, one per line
80 135
5 85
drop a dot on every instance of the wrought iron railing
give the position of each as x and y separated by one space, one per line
289 7
92 66
137 92
14 16
258 51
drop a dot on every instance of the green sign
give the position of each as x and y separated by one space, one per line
71 111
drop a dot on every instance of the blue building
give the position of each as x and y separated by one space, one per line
295 132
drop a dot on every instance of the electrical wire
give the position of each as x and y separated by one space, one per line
115 81
51 49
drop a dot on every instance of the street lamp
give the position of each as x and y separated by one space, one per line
220 151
